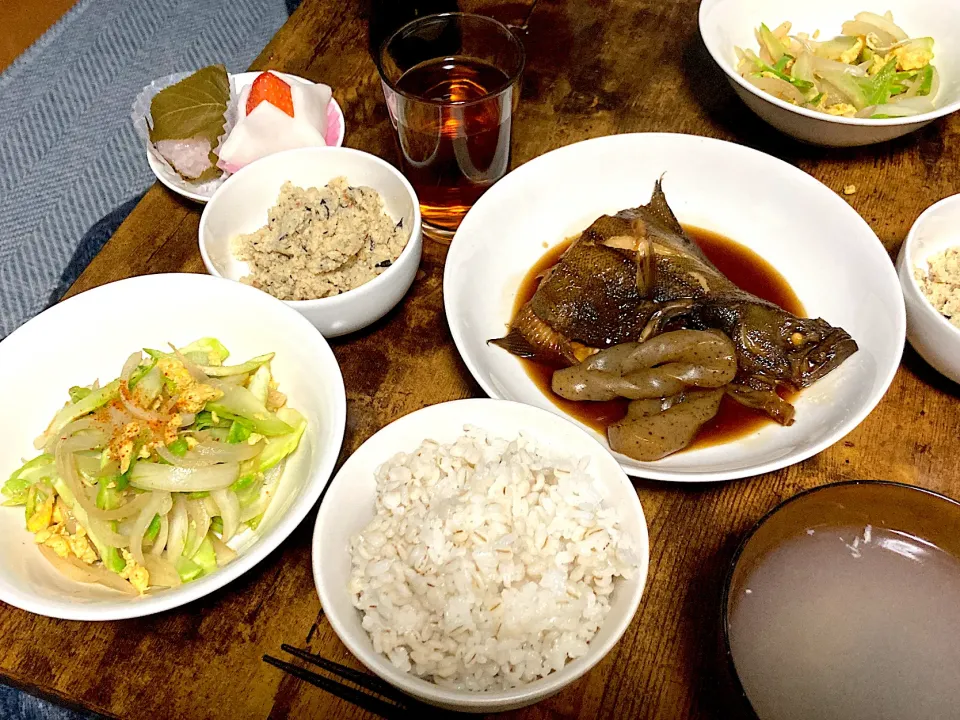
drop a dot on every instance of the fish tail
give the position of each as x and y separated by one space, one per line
660 210
515 343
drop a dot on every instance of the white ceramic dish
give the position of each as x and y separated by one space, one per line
349 505
241 205
839 271
88 337
728 23
334 138
929 332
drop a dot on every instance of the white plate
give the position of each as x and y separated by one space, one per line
178 185
89 337
828 254
349 506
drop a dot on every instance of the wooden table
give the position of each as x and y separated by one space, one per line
594 68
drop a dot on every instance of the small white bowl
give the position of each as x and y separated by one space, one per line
88 337
349 506
177 184
728 23
840 273
930 333
241 205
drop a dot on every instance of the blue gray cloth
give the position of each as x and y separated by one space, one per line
68 154
71 167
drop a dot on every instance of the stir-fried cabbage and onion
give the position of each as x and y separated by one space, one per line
873 70
143 481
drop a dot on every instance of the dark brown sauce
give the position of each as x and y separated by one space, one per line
744 268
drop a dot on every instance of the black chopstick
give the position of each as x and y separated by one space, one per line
360 699
370 682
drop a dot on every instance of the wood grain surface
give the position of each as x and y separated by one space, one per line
594 68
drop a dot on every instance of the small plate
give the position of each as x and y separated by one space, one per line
823 248
334 138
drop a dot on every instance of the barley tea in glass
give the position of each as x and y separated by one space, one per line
452 83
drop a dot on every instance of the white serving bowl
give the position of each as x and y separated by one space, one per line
348 507
728 23
88 337
929 332
241 205
839 271
175 183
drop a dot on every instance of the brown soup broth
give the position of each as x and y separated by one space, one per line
744 268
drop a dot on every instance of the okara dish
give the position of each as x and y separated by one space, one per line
940 284
321 242
635 310
873 70
489 564
143 481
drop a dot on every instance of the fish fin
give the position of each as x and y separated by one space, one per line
763 400
515 343
646 261
660 210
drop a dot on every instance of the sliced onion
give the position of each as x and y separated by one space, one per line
187 419
882 23
67 470
211 452
154 476
777 87
195 372
152 508
211 505
162 572
197 511
229 506
177 536
934 84
138 412
184 461
106 534
130 365
81 572
127 510
224 552
161 541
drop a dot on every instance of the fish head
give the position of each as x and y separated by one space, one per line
782 348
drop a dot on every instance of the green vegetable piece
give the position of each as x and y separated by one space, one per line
277 448
243 483
781 64
766 69
772 43
247 367
199 495
878 88
31 507
93 401
254 523
108 498
78 393
16 487
238 402
179 447
216 525
206 557
205 420
187 569
240 431
112 559
926 82
122 482
259 383
214 349
195 107
139 373
153 529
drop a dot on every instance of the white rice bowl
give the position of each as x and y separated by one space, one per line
489 564
480 629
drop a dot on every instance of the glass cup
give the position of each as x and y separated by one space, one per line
452 83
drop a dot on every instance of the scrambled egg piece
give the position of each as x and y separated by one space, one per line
878 62
912 58
842 109
42 516
64 544
850 56
849 189
192 395
137 574
121 444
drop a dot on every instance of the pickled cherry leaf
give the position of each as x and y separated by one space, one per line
195 107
